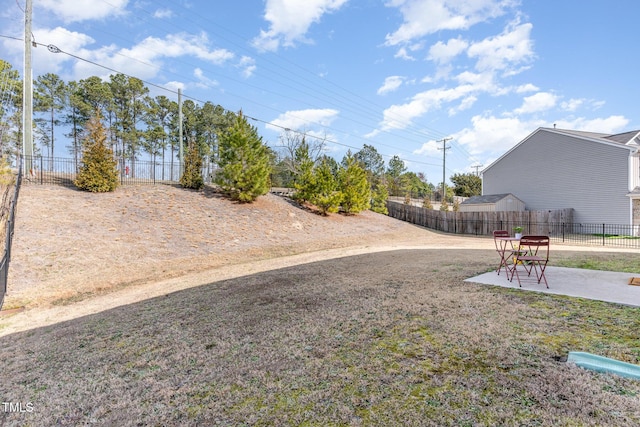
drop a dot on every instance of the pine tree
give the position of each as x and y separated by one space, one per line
354 186
327 196
304 179
98 173
305 182
426 203
379 197
192 174
244 162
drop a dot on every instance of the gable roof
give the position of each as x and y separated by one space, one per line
487 198
627 140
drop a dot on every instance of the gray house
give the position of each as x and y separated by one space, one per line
598 175
492 203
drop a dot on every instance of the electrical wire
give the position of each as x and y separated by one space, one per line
335 97
341 100
54 49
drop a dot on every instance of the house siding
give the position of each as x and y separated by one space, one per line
550 171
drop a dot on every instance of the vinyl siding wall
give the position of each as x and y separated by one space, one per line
551 171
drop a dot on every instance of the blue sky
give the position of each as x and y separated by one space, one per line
399 75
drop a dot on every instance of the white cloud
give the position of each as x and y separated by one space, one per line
572 104
424 17
290 20
176 45
248 66
431 148
506 53
174 86
204 81
480 81
464 105
490 135
527 88
610 125
163 13
541 101
143 60
75 11
303 119
73 42
502 52
391 83
445 52
576 103
402 53
400 116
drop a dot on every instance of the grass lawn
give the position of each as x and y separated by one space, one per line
395 338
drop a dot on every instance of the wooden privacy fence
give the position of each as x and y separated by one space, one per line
481 223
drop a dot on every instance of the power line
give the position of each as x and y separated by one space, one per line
334 97
343 97
54 49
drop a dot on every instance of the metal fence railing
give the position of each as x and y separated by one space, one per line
6 257
614 235
63 171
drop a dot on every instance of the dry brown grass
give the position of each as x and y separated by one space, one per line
389 338
392 338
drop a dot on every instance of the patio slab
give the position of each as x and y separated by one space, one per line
591 284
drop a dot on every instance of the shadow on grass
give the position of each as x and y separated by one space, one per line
385 338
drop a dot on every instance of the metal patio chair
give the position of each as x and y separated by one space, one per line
533 255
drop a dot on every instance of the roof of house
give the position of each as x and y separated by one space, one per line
621 138
626 140
487 198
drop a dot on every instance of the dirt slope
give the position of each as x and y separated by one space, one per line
70 245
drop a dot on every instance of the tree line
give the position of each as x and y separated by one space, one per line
137 124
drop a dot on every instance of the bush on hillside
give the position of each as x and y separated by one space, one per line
353 185
98 173
192 174
245 164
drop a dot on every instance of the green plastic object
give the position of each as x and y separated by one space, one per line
604 364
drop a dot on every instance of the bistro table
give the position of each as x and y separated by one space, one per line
506 247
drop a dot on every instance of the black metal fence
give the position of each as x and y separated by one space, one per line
614 235
6 258
63 171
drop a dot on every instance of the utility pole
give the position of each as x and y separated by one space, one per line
444 160
477 167
27 89
180 149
